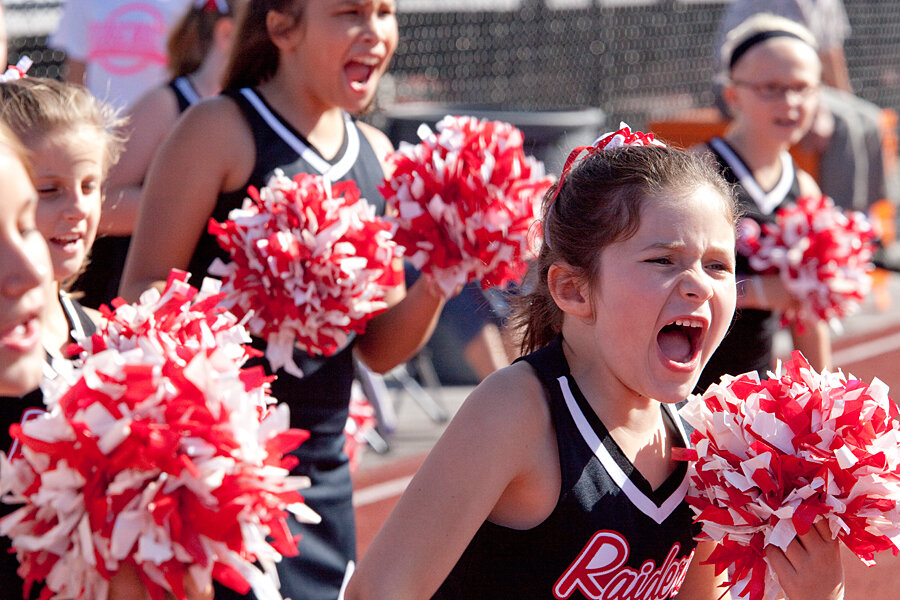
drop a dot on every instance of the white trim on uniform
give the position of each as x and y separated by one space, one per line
637 497
187 90
78 331
765 201
332 172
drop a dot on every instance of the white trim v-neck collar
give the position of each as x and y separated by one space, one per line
332 172
187 90
766 202
640 500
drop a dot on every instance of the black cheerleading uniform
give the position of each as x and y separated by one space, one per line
609 536
748 344
20 409
99 282
319 401
185 94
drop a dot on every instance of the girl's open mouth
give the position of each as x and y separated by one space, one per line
681 340
359 74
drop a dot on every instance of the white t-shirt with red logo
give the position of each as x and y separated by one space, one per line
122 43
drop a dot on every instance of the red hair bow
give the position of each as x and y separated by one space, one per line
613 139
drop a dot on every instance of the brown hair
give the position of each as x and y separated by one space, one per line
599 204
36 106
254 57
191 38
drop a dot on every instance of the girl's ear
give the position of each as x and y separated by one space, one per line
282 28
570 291
223 32
729 95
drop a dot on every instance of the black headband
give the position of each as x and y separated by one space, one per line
756 38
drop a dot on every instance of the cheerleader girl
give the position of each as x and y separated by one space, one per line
198 49
773 82
72 140
299 70
24 272
556 478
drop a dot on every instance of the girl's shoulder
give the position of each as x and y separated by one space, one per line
512 397
380 142
214 126
216 107
808 185
156 100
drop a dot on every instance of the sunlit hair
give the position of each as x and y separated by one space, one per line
254 57
758 27
600 203
192 37
36 106
9 142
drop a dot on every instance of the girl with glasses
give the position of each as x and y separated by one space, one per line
772 92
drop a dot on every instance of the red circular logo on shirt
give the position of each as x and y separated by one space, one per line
130 39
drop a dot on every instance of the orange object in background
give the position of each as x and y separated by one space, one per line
699 125
883 214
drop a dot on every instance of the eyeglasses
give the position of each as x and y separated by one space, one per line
769 90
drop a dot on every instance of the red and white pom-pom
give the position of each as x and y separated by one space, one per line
822 254
774 456
464 200
163 454
310 263
361 422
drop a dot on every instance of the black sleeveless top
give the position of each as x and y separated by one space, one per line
19 410
184 91
319 402
748 345
610 534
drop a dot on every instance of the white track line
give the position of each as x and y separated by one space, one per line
380 491
866 350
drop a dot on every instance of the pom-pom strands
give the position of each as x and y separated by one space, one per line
774 456
361 422
163 454
310 263
464 200
822 254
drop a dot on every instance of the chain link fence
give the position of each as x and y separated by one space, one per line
636 60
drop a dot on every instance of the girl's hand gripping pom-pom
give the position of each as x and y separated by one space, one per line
775 456
465 200
311 263
163 455
822 254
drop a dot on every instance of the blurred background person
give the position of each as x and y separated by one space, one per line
772 94
845 133
117 48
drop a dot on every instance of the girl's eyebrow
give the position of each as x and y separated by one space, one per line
664 246
674 245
